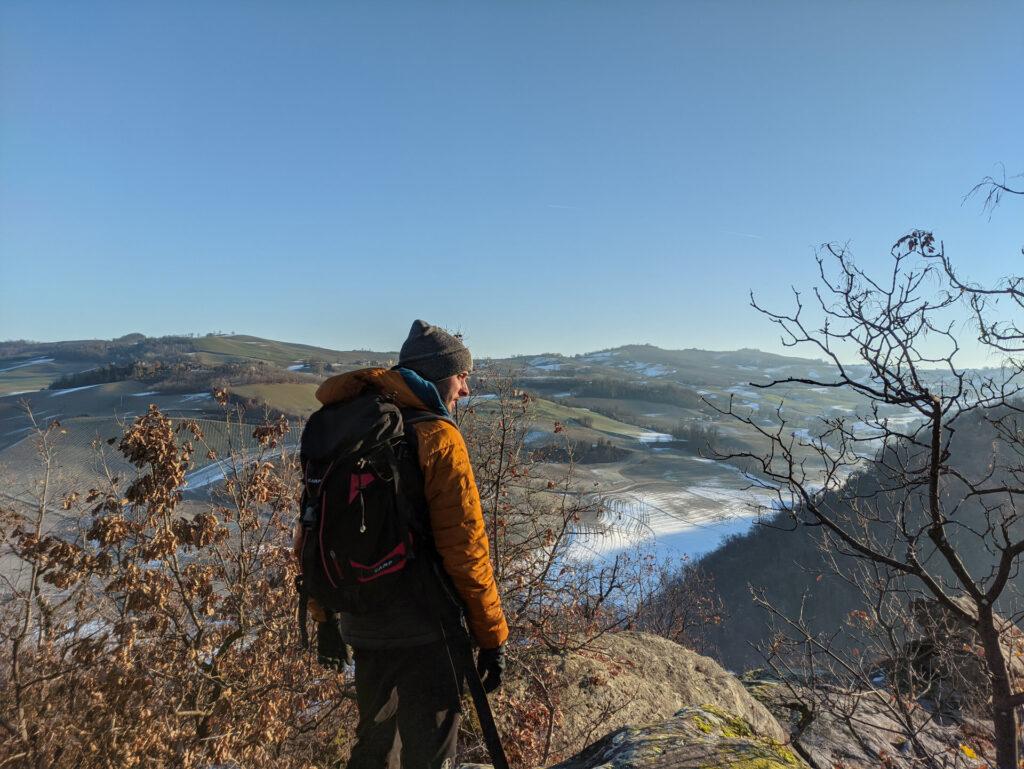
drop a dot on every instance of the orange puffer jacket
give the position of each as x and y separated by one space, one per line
456 517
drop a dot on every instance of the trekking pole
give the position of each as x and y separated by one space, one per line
483 706
476 687
483 710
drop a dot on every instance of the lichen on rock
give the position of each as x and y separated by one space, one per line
694 738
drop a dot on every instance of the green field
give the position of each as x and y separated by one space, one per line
545 413
16 377
296 399
218 349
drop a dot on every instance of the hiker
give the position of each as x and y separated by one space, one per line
411 651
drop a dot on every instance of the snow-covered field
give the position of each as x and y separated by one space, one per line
670 523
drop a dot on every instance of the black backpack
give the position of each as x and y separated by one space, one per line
363 506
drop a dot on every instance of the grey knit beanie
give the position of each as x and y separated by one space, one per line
433 353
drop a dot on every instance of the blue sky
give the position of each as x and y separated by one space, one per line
543 176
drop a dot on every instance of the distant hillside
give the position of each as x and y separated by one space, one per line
183 364
640 419
791 566
117 379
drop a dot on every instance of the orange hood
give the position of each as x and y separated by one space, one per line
345 387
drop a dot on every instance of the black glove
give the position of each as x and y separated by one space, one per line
490 664
331 650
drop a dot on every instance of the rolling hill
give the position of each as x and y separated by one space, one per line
656 408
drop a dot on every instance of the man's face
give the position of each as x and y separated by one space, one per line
453 388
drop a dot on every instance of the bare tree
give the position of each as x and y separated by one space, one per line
994 189
942 526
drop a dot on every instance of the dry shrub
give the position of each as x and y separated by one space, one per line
138 634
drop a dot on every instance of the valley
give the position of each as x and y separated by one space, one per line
642 424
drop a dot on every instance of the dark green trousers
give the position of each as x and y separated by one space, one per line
409 707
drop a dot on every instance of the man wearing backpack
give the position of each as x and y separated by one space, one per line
411 652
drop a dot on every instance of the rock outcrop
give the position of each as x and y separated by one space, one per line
637 701
632 678
694 738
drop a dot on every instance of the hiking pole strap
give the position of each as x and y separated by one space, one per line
483 710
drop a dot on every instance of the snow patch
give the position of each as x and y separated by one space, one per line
647 369
148 392
746 392
474 398
204 476
23 364
904 420
72 390
216 471
297 367
657 370
653 437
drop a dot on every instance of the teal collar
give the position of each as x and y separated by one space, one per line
424 389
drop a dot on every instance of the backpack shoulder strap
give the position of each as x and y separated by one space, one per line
411 416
